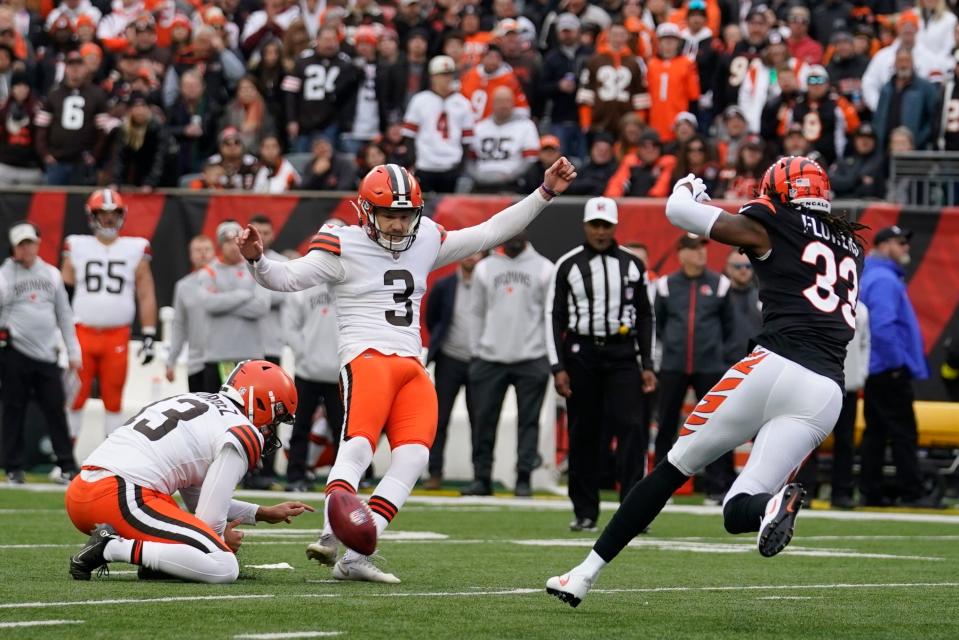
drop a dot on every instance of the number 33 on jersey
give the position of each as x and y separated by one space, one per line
809 287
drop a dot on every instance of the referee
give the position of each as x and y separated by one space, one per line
598 320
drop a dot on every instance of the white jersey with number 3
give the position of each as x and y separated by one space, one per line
170 444
378 292
105 279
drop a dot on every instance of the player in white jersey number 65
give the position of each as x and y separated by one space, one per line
378 272
200 444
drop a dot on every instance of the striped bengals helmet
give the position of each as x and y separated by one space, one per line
390 188
265 394
105 200
799 181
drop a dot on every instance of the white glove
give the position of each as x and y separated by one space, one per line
695 185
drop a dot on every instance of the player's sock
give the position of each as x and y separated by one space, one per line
743 513
591 566
118 550
406 466
188 563
75 422
352 460
641 506
112 420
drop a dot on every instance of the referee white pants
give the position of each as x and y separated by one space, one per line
786 409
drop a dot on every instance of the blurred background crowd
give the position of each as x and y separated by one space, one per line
307 94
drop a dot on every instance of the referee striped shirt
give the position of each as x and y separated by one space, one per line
598 295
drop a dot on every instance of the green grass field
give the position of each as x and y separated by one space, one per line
482 574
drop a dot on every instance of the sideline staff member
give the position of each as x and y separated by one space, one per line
598 319
34 312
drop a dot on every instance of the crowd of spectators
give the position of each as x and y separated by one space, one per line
307 94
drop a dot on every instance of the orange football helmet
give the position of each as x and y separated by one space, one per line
797 180
390 189
105 200
266 394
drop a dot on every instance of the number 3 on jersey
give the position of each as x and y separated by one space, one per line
403 276
823 294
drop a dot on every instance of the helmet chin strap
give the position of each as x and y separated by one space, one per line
107 233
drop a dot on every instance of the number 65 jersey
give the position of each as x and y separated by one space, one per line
808 287
171 443
104 295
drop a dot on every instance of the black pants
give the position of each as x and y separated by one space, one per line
310 395
719 474
889 418
490 380
842 454
23 377
212 381
438 181
197 381
606 382
451 375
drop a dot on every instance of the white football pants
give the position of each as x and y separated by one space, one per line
785 408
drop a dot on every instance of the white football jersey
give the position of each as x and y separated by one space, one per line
503 151
378 298
105 279
170 444
440 127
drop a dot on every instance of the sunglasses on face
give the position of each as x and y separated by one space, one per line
231 141
742 267
816 80
696 149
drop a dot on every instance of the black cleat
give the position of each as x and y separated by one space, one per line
776 528
90 557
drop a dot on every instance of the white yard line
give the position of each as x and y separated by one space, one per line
489 592
948 516
288 634
667 544
279 566
37 623
84 603
789 598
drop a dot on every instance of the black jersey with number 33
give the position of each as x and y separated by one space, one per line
808 286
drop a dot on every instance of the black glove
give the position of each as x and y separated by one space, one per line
147 351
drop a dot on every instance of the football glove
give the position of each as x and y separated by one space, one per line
147 350
695 185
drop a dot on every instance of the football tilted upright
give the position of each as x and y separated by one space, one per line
352 522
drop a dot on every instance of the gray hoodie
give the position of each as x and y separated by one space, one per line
272 323
309 324
234 304
35 307
189 323
509 295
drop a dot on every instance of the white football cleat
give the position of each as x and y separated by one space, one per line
324 550
362 569
776 528
571 588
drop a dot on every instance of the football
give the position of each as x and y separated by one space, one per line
352 522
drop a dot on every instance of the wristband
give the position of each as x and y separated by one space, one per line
149 331
550 194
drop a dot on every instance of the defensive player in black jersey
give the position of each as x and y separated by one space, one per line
786 395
